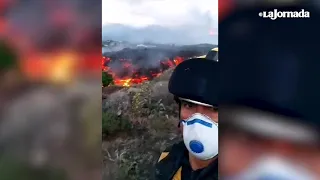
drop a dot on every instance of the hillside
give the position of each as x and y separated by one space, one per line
136 65
138 124
186 34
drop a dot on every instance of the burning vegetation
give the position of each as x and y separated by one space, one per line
130 74
134 66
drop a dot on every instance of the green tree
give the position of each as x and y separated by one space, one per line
106 79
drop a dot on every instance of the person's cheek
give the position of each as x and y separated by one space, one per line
313 163
213 116
183 113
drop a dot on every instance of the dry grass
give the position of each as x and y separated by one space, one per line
132 156
151 113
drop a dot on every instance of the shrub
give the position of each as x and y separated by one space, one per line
112 123
106 79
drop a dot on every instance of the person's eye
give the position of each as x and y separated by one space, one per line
214 109
187 104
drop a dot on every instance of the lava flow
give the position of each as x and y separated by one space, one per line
130 74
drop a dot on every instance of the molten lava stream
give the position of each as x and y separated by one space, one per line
130 75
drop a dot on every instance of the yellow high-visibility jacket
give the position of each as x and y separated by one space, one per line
177 176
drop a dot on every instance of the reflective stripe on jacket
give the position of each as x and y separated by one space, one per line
177 175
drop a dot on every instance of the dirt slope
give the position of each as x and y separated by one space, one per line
139 122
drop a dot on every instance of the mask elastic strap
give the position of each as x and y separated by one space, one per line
179 123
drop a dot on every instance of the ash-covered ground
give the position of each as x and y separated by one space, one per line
138 123
146 61
153 51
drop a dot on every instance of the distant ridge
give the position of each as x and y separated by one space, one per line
158 34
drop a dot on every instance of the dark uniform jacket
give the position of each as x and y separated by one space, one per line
174 165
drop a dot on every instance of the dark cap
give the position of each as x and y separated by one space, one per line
196 79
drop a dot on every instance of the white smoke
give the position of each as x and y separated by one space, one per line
162 21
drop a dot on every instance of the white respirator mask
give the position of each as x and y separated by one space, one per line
200 135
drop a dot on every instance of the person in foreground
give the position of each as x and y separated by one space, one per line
193 84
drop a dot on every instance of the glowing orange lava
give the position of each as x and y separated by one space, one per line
137 75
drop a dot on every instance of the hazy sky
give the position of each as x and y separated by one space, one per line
169 13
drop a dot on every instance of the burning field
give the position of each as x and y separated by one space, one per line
134 66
